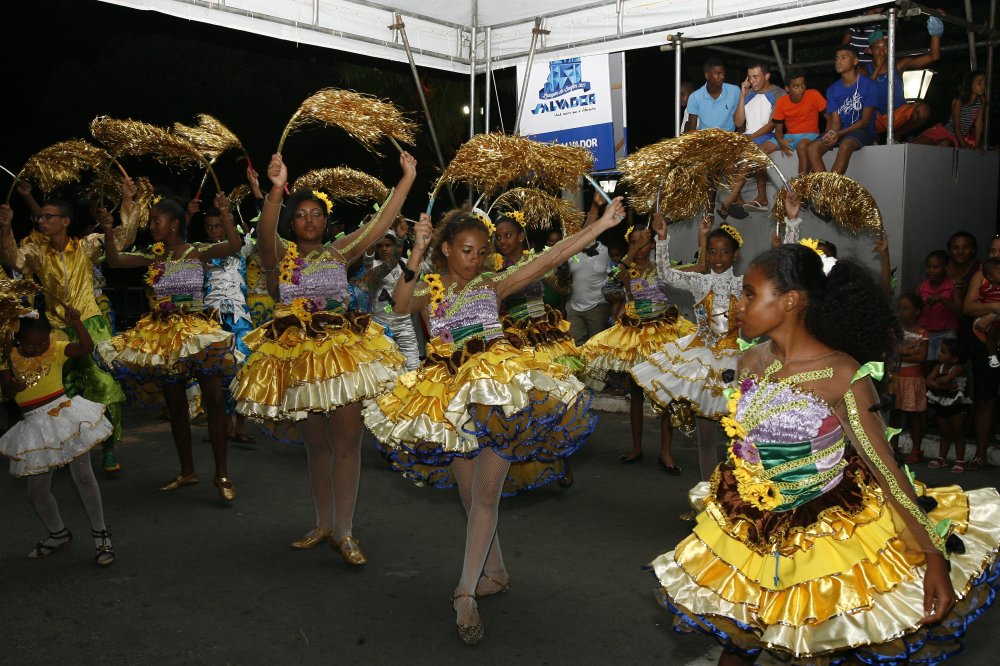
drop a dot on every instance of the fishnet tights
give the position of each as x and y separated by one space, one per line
480 481
333 449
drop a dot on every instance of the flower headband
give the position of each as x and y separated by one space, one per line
517 216
735 235
481 215
156 200
828 262
325 199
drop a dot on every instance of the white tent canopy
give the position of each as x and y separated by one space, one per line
439 31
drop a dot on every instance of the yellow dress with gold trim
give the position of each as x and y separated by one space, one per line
648 324
697 368
811 542
476 390
179 338
313 356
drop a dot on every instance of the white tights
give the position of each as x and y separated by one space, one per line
333 449
40 494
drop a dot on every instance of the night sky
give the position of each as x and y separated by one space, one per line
71 60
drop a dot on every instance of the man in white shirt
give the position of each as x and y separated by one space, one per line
587 310
753 117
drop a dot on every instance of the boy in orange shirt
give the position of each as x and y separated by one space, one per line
796 119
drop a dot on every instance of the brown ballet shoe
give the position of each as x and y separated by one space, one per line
227 491
313 539
349 549
470 634
489 585
180 480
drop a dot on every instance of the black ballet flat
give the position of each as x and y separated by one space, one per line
672 470
625 460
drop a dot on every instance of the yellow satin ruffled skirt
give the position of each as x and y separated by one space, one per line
628 342
846 582
299 367
457 403
167 346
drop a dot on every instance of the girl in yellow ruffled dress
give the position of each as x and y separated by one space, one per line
478 403
647 325
528 321
179 338
812 542
315 362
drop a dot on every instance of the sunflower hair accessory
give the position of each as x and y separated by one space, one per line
517 216
735 235
325 199
156 201
481 215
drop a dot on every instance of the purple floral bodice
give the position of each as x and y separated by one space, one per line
647 287
791 436
179 278
645 297
470 313
321 276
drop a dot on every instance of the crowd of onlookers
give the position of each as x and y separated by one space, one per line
854 110
947 364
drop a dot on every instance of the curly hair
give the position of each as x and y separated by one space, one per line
285 228
173 210
845 310
958 348
913 299
453 223
965 89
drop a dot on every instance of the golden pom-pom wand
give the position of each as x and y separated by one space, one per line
133 137
835 196
366 118
60 163
490 162
212 138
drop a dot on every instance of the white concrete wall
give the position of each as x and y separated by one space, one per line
925 193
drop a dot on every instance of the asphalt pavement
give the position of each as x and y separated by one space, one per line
199 581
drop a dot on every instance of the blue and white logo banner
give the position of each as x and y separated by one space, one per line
569 101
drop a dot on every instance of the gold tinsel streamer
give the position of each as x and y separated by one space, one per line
834 196
11 309
236 197
491 162
136 138
540 208
209 136
108 185
684 171
63 162
343 183
366 118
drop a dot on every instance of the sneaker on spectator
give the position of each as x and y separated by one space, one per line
994 361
